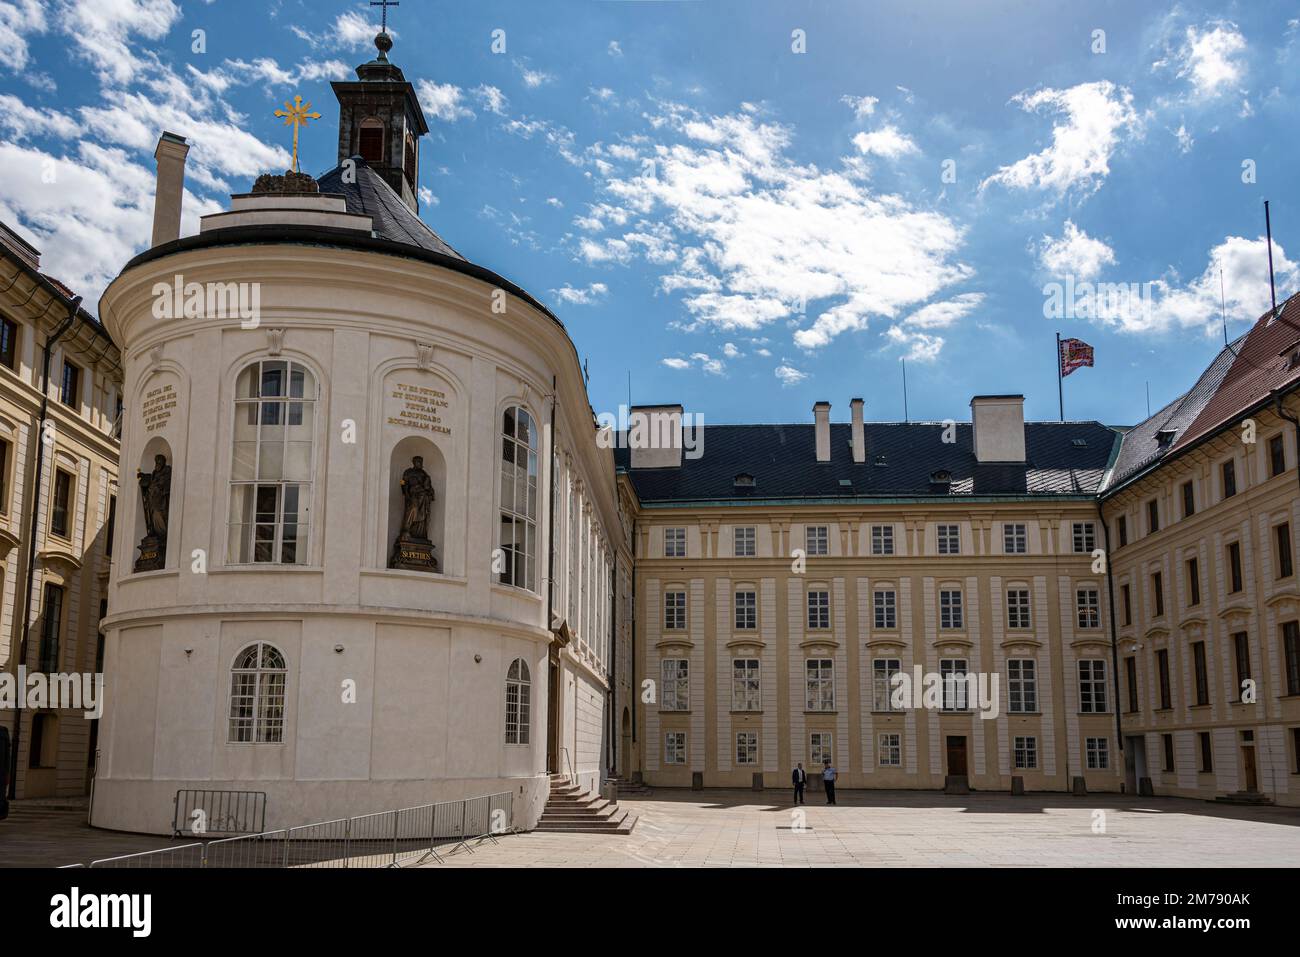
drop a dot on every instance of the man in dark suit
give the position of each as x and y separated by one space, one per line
799 778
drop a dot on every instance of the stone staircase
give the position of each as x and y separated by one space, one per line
625 788
571 810
1254 798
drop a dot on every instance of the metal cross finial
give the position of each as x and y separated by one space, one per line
384 5
296 114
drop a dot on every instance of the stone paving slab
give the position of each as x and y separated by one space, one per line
915 829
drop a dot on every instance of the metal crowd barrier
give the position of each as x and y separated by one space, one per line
384 839
222 812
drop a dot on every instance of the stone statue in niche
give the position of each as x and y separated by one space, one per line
412 550
155 494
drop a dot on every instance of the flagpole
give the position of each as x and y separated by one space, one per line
1060 390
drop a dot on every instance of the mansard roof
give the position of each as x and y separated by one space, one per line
1061 459
369 195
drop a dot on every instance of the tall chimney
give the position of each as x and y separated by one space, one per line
822 421
859 432
999 425
170 155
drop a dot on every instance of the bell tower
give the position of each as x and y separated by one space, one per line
380 120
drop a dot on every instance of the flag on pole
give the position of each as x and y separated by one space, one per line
1075 353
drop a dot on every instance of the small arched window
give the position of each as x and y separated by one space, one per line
257 683
519 498
518 702
271 468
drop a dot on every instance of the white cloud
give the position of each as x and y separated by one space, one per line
554 201
1074 253
350 31
580 296
673 363
1185 140
1212 59
789 375
921 346
862 106
701 360
22 121
916 332
614 49
442 100
751 237
1094 116
887 142
730 351
427 197
101 31
95 215
18 20
492 99
532 78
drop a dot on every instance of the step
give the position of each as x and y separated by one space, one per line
624 826
1245 797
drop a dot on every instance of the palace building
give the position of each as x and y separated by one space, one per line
58 496
380 552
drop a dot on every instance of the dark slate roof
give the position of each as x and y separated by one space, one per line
783 461
1139 447
369 195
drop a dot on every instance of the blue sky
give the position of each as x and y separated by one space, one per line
743 227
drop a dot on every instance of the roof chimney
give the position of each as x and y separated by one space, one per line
859 436
822 421
999 425
170 155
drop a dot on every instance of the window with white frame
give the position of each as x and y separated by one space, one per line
747 747
1018 615
1092 685
257 695
950 608
820 684
674 543
819 609
952 672
674 747
949 539
518 702
1015 539
891 750
272 464
1022 685
882 539
886 609
882 682
815 539
519 498
575 526
1098 750
1026 753
820 748
674 610
744 541
1084 537
1087 602
746 609
676 684
745 685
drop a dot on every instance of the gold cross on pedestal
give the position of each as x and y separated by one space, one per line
296 115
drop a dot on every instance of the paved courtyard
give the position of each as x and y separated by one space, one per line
915 829
866 829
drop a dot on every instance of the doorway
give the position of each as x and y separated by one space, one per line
1135 763
625 752
1248 766
552 711
957 755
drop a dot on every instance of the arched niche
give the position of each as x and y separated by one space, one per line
154 447
435 464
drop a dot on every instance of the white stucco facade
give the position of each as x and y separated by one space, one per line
394 681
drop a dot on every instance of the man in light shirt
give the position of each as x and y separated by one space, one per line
828 781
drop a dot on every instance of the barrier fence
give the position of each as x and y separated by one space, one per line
384 839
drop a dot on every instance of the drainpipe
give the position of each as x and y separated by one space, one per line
73 306
1114 631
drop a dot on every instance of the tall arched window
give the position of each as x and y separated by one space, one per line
518 702
271 469
519 498
370 140
257 682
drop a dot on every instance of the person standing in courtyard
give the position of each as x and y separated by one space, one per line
828 781
799 778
